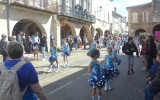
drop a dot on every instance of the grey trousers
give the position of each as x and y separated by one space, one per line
130 62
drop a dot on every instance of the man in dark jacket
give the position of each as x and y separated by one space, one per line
130 48
3 46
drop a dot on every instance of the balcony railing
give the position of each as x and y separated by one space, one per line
50 5
76 13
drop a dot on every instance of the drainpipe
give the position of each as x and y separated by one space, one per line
8 24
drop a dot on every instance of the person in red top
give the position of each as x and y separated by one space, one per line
145 51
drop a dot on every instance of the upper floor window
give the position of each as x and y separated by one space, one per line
145 16
135 17
42 3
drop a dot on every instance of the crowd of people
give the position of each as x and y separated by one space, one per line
145 46
99 77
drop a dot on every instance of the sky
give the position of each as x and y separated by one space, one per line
122 4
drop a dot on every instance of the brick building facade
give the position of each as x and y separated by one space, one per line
144 19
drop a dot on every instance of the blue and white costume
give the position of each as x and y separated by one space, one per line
117 60
97 78
92 47
109 68
54 55
66 50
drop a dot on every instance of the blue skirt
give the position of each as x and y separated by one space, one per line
111 71
89 52
98 81
118 61
53 58
95 82
67 53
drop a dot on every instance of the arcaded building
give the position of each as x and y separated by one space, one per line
59 17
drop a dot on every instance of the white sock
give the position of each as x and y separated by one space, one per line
50 67
93 97
110 84
105 87
99 97
58 68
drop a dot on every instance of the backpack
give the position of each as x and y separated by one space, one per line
9 86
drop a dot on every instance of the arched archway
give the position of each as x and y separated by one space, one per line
138 31
156 31
67 29
98 33
84 32
28 27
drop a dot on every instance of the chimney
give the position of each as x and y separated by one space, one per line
115 9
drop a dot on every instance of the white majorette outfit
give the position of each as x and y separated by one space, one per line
92 47
97 78
66 50
100 40
117 45
35 40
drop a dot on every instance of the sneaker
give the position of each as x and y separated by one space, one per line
132 70
128 73
110 88
50 70
57 70
105 89
67 64
64 66
43 59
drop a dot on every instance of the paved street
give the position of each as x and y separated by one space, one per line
71 83
75 86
